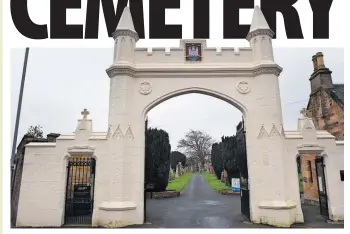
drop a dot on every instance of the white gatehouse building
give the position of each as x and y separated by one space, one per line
110 165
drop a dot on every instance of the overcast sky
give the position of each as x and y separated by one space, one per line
60 83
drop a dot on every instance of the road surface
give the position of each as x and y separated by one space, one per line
200 207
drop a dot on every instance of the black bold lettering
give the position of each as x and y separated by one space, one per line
290 16
320 11
112 17
157 27
232 28
92 19
136 9
201 21
23 23
58 26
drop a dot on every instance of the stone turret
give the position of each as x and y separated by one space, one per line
125 38
122 70
260 37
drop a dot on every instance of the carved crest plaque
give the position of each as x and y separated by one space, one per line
193 52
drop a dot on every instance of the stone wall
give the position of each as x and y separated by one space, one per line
326 114
308 141
17 173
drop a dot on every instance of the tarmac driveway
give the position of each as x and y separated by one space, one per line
200 207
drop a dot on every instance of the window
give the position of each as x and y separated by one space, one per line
310 170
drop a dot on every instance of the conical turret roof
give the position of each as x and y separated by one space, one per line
125 22
258 21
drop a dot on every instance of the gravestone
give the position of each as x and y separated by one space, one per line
181 168
171 174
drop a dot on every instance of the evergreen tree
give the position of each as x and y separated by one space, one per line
157 159
175 158
216 160
230 157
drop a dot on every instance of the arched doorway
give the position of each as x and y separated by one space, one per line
197 188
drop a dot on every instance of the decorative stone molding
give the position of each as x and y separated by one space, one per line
274 132
311 146
117 206
243 87
129 134
308 125
282 131
183 42
40 144
145 88
109 133
125 32
226 70
80 150
118 133
339 142
259 32
118 71
310 149
267 70
263 133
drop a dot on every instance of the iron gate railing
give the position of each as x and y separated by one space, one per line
80 190
243 167
322 188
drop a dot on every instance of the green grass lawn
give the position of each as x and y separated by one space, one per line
301 185
180 182
214 183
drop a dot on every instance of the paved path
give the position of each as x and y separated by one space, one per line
200 207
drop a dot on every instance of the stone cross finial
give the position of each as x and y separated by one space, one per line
305 112
85 114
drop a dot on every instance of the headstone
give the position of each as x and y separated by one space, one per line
181 168
177 171
171 174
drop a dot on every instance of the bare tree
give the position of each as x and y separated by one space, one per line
197 145
35 131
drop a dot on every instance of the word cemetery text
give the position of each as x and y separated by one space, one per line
59 29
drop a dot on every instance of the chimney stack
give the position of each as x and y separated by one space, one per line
319 59
314 60
321 76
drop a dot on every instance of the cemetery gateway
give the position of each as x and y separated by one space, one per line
111 164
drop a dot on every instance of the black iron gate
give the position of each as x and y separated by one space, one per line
322 188
243 168
80 190
145 179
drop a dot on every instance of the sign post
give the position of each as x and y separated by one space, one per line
235 184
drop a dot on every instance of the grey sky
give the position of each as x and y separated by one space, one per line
60 83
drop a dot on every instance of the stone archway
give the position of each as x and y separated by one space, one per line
246 77
142 78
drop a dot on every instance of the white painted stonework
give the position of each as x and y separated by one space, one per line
140 79
310 141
